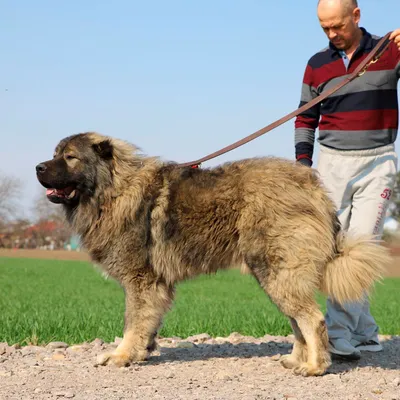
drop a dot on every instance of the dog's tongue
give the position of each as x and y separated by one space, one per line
49 192
66 192
58 192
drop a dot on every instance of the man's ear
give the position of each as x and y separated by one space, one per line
104 149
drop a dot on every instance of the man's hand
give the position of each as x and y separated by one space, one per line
395 36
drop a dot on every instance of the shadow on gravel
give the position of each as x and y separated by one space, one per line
225 350
388 359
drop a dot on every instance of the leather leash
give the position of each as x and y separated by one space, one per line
372 58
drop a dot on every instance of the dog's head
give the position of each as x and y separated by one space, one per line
82 165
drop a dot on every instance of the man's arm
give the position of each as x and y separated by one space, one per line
307 122
395 36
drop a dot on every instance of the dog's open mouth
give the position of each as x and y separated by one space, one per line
61 195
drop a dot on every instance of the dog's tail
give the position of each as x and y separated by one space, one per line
358 264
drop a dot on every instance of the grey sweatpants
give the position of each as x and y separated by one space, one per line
360 183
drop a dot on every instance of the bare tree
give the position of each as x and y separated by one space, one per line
10 190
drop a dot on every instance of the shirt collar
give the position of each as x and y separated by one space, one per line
365 43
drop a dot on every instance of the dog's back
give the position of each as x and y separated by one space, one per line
210 219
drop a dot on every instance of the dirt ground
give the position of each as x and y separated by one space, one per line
199 367
393 271
233 368
45 254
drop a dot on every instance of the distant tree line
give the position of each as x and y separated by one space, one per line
45 228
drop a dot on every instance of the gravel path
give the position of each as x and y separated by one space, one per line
199 367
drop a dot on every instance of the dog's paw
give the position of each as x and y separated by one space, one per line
306 369
289 361
117 359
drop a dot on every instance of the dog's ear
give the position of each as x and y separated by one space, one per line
104 149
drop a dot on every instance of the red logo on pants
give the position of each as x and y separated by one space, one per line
386 194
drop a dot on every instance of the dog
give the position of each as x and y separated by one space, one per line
151 224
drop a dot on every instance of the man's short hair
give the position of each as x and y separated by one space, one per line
348 5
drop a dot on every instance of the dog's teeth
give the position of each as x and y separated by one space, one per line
72 194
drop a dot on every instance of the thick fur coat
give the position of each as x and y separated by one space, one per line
151 224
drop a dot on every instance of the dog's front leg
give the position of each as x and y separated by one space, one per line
146 301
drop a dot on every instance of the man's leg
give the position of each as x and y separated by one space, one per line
373 187
365 336
336 172
341 322
370 204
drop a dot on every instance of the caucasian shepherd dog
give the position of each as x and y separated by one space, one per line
150 224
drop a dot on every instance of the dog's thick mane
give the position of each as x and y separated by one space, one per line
120 189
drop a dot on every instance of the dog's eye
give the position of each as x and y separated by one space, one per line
70 157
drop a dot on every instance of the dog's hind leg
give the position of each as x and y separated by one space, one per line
146 302
292 290
299 352
312 325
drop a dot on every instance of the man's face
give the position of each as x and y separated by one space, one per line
340 27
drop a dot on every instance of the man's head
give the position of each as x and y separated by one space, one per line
339 19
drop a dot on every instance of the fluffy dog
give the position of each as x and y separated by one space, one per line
150 224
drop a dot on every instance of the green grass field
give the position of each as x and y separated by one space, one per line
46 300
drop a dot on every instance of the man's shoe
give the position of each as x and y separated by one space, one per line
344 349
371 345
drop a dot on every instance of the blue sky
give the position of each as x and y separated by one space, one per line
180 79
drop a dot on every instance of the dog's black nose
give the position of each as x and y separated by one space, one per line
40 168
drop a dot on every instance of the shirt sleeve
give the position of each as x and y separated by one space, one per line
395 57
307 122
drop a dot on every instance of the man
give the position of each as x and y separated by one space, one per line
358 163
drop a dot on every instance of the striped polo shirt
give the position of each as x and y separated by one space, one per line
361 115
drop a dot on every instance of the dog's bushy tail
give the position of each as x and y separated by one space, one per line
351 274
